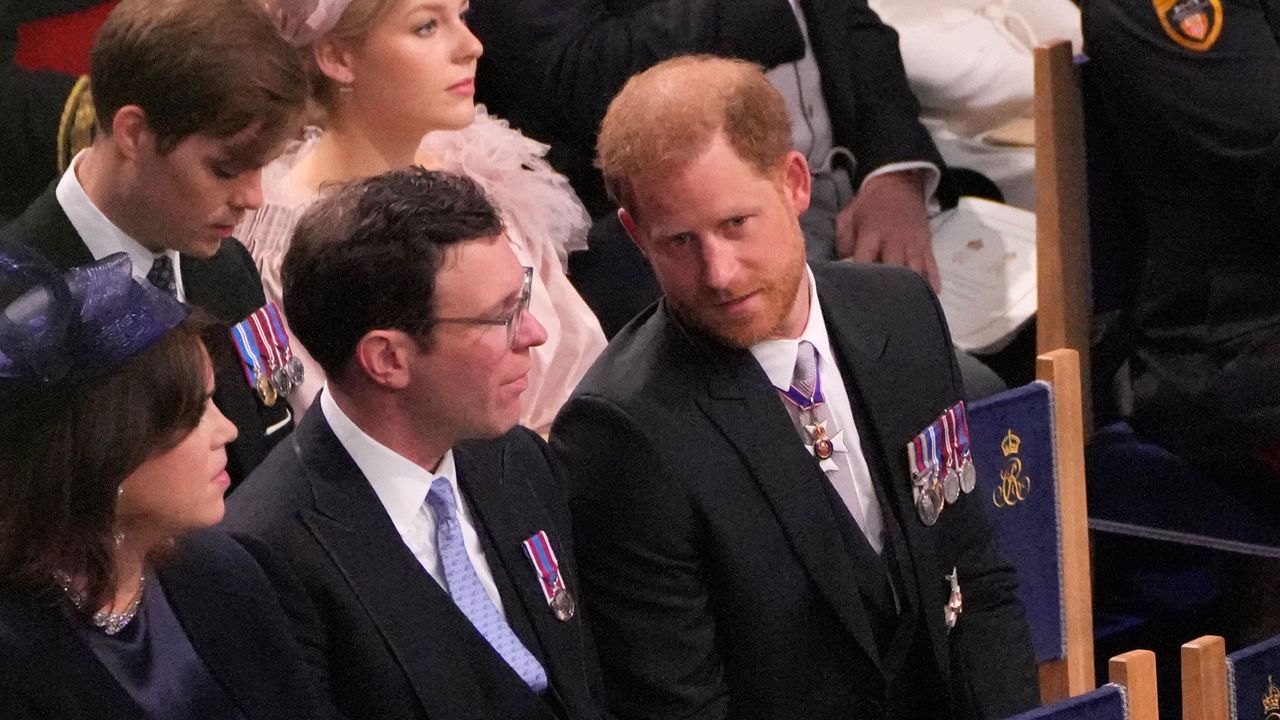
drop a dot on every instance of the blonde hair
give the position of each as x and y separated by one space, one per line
666 116
356 23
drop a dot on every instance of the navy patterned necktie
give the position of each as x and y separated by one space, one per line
469 595
161 275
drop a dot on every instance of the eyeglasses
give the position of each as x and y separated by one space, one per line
511 320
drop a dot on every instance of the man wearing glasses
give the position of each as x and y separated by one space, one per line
418 539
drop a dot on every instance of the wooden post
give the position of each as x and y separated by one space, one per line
1136 671
1074 674
1204 679
1063 272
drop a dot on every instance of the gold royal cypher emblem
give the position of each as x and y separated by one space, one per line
1193 24
1013 487
1271 701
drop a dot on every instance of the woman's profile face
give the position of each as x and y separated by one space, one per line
181 488
417 67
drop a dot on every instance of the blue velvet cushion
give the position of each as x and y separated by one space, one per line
1105 703
1253 674
1013 450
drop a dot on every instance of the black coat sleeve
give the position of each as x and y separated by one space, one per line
638 552
873 111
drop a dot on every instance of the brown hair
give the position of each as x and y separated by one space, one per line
213 67
665 116
366 257
65 451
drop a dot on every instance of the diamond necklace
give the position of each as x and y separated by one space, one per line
109 622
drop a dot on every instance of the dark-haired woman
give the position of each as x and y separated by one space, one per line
114 601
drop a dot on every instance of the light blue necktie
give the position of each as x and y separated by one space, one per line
469 595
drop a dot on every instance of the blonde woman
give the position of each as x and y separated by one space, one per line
395 81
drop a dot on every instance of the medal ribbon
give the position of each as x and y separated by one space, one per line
950 453
915 453
262 333
962 429
538 549
931 445
278 336
248 351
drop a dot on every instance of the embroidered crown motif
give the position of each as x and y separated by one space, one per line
1271 701
1011 444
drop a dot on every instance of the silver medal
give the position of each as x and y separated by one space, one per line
968 476
295 370
281 380
951 484
562 605
929 499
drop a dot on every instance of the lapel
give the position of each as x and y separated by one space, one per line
75 685
509 511
221 285
427 635
744 406
874 386
206 608
415 618
45 227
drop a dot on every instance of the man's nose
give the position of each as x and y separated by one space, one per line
247 194
719 263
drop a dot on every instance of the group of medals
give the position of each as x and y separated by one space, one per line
270 367
941 464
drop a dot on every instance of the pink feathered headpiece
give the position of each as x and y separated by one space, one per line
301 22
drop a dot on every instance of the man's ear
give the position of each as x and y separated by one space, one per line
796 180
383 357
130 131
629 224
333 57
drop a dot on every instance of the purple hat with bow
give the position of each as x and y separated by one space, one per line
59 328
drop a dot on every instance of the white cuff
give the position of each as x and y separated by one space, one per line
932 177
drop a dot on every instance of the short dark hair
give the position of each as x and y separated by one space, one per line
196 66
365 257
64 452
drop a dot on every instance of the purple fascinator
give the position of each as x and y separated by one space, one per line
77 325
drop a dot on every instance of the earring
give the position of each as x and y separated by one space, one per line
345 90
118 535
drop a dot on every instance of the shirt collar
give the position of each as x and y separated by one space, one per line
778 357
101 236
400 484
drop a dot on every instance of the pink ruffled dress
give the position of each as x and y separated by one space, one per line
545 222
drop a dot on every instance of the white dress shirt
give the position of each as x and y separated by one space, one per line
101 236
402 488
778 360
800 84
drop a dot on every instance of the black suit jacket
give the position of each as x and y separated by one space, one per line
714 563
383 636
552 66
227 286
228 611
